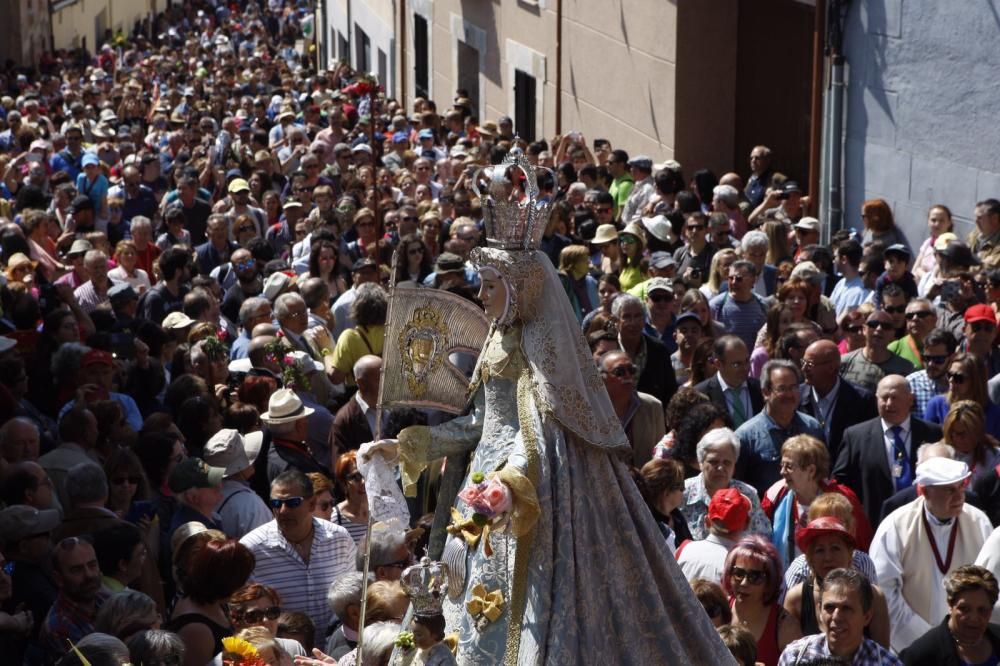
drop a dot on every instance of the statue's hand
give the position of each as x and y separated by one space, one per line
387 448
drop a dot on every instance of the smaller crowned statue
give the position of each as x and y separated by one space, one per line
424 644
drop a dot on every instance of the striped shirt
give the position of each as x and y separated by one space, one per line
302 586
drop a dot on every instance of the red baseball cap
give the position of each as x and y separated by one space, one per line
731 508
980 312
97 356
822 526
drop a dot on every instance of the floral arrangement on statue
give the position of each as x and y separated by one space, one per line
238 652
489 500
404 640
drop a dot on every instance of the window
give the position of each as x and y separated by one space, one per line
343 48
383 68
363 56
421 57
524 105
468 73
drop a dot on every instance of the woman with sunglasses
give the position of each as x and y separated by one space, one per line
752 579
257 605
352 512
965 430
323 492
413 261
966 381
632 248
721 261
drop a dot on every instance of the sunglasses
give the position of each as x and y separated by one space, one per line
291 502
695 227
627 240
895 309
855 328
935 360
122 480
918 314
660 298
354 477
749 576
956 377
982 326
886 325
625 371
415 252
258 614
246 265
243 230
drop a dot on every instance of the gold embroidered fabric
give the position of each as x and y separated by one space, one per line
414 443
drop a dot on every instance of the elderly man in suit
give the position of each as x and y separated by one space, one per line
877 457
834 402
731 388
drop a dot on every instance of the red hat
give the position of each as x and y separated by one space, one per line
97 356
731 508
980 312
822 526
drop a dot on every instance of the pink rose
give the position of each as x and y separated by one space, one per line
497 496
471 494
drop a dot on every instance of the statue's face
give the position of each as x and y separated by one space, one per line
493 294
422 637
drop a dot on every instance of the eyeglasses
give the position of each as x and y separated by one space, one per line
695 227
122 480
895 309
750 576
812 364
935 360
982 327
919 314
886 325
956 377
257 614
625 371
660 298
854 328
291 502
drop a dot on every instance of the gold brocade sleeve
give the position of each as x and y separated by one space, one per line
414 445
525 510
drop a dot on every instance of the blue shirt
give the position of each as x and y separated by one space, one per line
848 294
132 414
668 333
741 319
760 447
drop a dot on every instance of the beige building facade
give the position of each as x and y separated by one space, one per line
691 80
28 30
83 23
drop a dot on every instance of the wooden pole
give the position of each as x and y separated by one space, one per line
816 110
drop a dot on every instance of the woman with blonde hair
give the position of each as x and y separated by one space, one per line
632 248
777 242
721 261
966 381
127 270
965 430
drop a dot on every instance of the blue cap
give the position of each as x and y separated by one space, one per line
687 316
426 134
400 137
90 159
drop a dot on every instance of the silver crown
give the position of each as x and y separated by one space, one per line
512 222
425 584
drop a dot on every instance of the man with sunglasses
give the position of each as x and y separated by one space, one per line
980 336
640 413
298 554
741 310
694 259
938 348
866 366
920 317
197 487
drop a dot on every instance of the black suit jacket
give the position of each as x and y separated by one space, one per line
657 378
713 389
854 405
937 647
862 465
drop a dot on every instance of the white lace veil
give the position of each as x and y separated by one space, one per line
565 380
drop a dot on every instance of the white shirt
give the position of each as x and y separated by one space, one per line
706 558
886 552
302 586
989 558
890 442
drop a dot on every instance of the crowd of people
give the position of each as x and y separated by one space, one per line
199 232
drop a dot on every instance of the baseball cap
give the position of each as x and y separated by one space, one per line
898 249
808 271
731 508
941 242
425 134
687 316
661 260
808 224
97 357
449 263
90 159
239 185
194 473
20 521
80 245
82 202
659 284
121 292
176 320
362 148
641 162
363 263
980 312
400 137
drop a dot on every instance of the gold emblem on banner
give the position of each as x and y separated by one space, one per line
422 342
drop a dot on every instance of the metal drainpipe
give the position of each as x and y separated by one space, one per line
836 144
